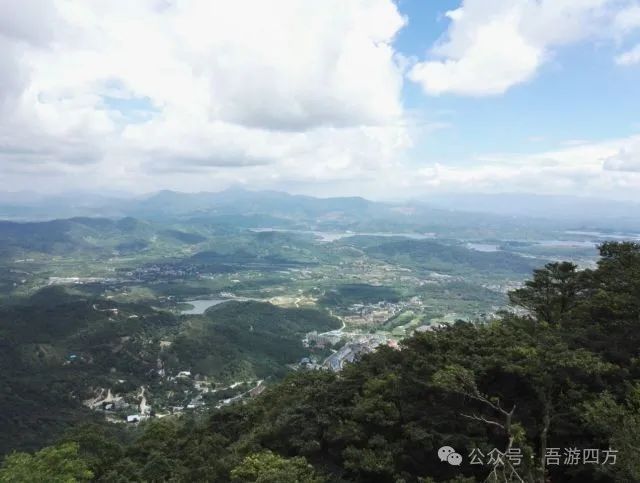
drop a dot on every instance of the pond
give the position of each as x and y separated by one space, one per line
199 306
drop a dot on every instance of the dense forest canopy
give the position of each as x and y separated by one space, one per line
561 373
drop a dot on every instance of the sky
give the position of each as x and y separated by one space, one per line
377 98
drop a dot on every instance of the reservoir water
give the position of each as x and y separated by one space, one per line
199 306
327 237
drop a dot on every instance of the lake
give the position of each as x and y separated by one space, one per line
483 247
199 306
328 237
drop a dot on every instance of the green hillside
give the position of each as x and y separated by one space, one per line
564 376
88 235
239 340
57 349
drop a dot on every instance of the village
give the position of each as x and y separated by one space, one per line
363 335
183 393
365 327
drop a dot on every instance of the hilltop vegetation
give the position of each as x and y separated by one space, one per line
92 313
241 340
89 236
359 293
565 375
57 348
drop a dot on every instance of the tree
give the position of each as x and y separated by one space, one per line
98 446
268 467
551 294
567 375
526 365
620 422
56 464
460 380
607 317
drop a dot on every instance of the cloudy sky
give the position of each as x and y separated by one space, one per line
379 98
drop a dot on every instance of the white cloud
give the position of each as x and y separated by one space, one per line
585 169
492 45
607 169
630 57
627 19
627 159
125 89
295 94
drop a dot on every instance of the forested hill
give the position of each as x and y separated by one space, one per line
564 377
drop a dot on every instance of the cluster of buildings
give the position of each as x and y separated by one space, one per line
354 349
77 280
185 392
309 363
254 391
161 271
313 339
380 312
347 353
504 287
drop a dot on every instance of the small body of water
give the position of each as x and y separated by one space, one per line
483 247
610 236
567 244
327 236
199 306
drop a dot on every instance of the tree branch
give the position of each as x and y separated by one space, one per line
483 420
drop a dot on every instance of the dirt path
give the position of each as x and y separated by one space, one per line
143 407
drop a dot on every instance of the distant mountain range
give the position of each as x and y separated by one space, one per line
273 208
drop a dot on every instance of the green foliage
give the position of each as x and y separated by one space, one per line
100 445
267 467
620 422
457 379
42 386
361 293
57 464
246 339
551 294
566 375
